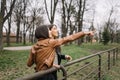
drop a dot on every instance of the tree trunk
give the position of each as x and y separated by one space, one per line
80 18
18 30
24 35
80 29
72 29
24 24
64 27
32 38
1 35
24 38
8 33
4 18
2 11
29 35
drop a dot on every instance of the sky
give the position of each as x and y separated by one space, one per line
102 10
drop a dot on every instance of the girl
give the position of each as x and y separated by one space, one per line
58 55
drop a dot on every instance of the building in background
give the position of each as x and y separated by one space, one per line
12 38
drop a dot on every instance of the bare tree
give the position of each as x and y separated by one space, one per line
36 17
9 31
113 27
9 28
33 23
51 14
68 10
64 27
111 22
18 11
111 12
4 17
80 14
24 20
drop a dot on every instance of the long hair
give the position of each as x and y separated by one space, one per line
58 48
42 32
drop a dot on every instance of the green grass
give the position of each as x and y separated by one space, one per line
13 63
75 51
114 71
98 46
85 49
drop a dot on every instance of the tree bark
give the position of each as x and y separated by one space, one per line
80 18
9 31
64 27
18 31
4 18
24 35
24 23
18 16
2 12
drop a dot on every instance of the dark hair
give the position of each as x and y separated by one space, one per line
50 26
42 32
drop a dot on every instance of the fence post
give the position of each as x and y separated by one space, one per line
99 68
108 60
113 57
64 72
116 53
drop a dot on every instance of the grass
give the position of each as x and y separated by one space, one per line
85 49
114 71
13 63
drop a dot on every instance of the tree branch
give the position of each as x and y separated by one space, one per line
10 12
47 10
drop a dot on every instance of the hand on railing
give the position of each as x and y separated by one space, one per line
56 66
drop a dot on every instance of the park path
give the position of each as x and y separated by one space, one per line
18 48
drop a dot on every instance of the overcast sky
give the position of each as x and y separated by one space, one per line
102 10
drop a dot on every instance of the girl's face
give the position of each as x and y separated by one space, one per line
54 32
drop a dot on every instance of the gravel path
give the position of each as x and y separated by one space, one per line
18 48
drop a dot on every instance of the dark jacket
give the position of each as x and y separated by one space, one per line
60 56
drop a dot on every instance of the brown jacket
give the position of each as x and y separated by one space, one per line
43 52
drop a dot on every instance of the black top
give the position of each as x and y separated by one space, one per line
60 56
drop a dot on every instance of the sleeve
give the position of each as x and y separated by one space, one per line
30 60
62 56
58 42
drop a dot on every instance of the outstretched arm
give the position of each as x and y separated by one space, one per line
58 42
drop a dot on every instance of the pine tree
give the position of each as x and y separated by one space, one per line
106 36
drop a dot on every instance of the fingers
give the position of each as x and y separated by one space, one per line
56 66
69 58
91 33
